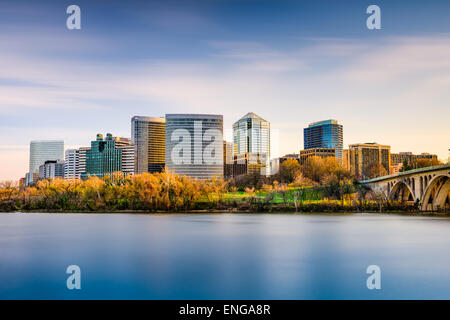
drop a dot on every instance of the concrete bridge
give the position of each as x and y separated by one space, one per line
429 186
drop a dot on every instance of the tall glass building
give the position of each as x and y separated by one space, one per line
194 145
148 137
44 150
251 134
109 155
324 134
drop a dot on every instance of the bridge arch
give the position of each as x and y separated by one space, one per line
401 191
437 193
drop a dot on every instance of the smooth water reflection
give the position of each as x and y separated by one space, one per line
229 256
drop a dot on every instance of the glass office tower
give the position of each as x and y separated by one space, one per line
109 155
194 145
251 135
324 134
148 137
40 152
44 150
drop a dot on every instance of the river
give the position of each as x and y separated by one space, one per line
223 256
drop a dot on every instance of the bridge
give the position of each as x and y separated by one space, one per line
429 186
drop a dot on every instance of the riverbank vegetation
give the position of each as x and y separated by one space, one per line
321 185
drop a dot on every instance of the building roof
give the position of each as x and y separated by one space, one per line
323 122
252 115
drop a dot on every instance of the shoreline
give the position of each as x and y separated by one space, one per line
216 212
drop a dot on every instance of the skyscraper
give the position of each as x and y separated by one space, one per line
41 151
251 134
324 134
44 150
194 145
148 137
109 155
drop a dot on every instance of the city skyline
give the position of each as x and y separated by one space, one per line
304 63
66 150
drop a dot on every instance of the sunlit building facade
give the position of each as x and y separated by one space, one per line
363 155
148 137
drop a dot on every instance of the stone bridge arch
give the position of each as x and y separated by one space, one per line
401 191
437 193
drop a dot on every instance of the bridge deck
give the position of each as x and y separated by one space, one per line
405 173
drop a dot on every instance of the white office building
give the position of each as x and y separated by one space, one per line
251 134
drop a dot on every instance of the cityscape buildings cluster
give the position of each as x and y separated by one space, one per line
193 145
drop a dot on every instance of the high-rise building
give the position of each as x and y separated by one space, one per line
251 134
41 151
324 134
148 137
227 159
51 169
363 155
82 160
109 155
194 145
71 165
346 159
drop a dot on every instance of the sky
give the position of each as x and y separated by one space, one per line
291 62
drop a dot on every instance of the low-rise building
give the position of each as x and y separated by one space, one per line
51 169
316 152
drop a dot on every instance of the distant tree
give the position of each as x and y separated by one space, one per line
374 170
422 163
405 166
314 168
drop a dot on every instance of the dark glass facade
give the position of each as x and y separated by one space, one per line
107 156
324 134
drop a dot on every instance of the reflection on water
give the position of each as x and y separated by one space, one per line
223 256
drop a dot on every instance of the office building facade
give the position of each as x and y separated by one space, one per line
51 169
227 159
41 151
109 155
251 134
410 158
324 134
316 152
148 137
194 145
363 155
71 164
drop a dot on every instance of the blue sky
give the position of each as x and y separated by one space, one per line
291 62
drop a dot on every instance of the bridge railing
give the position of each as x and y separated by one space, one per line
405 173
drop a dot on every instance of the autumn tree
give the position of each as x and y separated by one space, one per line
374 170
422 163
289 170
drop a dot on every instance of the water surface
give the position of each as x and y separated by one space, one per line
226 256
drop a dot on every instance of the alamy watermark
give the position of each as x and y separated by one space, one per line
74 20
374 280
74 280
374 20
